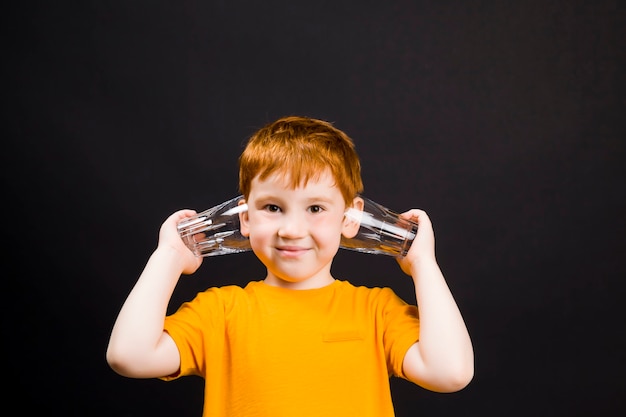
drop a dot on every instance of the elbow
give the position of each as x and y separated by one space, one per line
444 374
460 372
128 361
446 379
459 380
118 361
458 377
114 360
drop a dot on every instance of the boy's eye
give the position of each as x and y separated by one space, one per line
272 208
316 209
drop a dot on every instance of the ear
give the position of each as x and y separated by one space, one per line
243 220
351 224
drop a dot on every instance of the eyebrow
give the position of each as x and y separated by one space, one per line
319 199
308 200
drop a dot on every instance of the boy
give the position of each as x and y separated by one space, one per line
299 342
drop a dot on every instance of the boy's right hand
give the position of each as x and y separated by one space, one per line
169 239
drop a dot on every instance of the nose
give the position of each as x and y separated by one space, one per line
293 226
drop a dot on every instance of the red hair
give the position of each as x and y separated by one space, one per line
301 148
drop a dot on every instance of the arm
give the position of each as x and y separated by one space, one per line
138 346
443 359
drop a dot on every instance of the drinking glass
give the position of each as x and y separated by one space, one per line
381 230
215 231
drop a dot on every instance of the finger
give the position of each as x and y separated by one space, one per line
413 214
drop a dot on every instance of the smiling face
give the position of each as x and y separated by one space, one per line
295 232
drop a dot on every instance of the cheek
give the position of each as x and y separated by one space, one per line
259 237
260 228
327 231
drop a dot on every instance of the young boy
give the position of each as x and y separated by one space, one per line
299 342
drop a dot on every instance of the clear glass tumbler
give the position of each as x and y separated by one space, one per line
381 231
215 231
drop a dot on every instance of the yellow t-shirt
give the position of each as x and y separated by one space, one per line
269 351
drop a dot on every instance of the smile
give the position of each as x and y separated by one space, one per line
291 251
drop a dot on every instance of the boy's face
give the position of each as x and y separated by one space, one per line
295 232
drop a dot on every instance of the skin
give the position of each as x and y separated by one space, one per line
295 233
443 359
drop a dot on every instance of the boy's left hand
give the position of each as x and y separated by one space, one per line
423 246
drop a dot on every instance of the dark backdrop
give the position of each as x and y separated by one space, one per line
504 120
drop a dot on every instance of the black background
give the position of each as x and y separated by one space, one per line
504 120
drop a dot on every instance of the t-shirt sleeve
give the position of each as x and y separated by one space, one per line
197 328
401 322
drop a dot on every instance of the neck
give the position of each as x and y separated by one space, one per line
307 284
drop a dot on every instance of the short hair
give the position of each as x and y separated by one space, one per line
300 149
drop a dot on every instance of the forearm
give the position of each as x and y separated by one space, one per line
138 330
